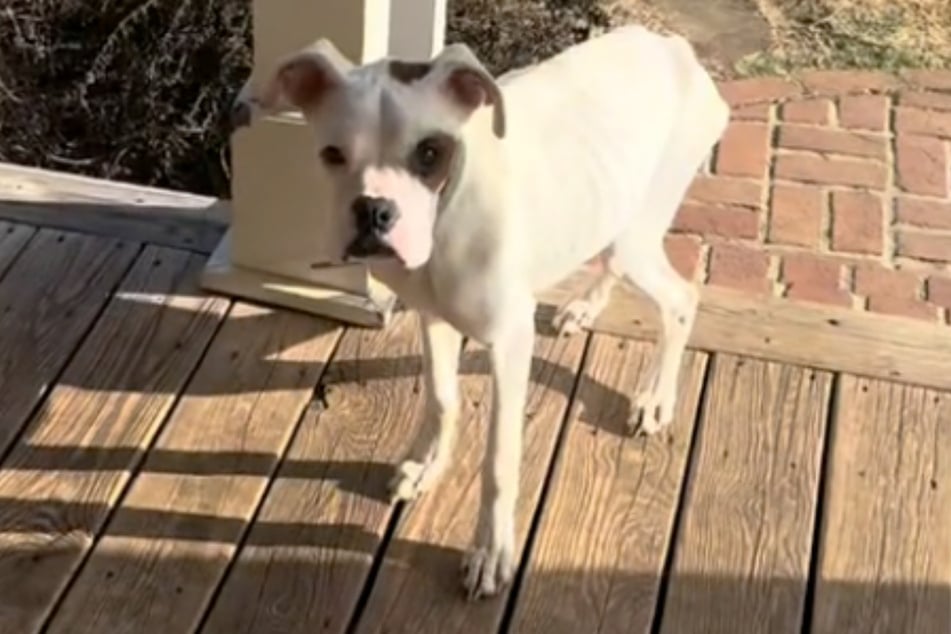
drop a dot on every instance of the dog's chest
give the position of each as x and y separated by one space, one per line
471 300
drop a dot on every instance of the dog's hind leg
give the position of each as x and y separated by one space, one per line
650 270
580 311
639 251
432 451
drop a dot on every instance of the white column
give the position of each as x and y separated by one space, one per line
417 28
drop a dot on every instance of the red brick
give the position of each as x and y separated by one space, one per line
922 165
727 191
924 246
928 214
796 215
864 112
918 121
939 291
798 137
892 292
726 221
754 112
927 100
824 170
839 82
814 278
741 92
818 111
931 79
739 267
857 222
744 150
683 253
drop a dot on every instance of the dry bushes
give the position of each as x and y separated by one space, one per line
124 89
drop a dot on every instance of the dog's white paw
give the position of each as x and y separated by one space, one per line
575 316
412 479
654 411
488 571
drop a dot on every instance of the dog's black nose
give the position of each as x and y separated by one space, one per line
374 215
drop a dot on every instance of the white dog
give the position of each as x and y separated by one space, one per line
469 195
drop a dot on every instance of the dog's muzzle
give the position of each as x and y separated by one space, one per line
374 218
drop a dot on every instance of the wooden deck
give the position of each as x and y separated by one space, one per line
177 462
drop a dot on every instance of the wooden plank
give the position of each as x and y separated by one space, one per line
418 589
110 208
308 555
159 225
49 298
57 488
741 558
13 239
812 335
885 550
32 184
168 544
601 544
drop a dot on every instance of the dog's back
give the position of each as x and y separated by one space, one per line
589 128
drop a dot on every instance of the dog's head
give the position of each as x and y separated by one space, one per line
388 135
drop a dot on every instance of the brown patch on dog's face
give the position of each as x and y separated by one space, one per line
408 72
431 159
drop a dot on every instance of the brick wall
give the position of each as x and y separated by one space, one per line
830 187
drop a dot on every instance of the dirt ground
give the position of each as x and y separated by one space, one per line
136 90
736 37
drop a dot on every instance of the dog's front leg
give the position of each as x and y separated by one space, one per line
489 567
432 449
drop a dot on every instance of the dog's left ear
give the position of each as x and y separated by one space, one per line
462 76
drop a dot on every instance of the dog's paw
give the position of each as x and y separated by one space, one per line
412 479
653 412
575 316
488 571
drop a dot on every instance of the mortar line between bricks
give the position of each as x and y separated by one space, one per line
889 215
774 265
703 262
825 221
766 196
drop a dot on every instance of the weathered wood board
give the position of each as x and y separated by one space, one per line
49 298
58 485
307 558
885 555
418 588
741 558
167 546
601 544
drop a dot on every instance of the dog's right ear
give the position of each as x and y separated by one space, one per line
299 81
459 74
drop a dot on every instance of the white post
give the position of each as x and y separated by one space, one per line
417 28
278 196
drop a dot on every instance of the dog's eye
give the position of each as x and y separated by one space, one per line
332 155
427 155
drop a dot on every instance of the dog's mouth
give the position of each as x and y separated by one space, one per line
369 248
